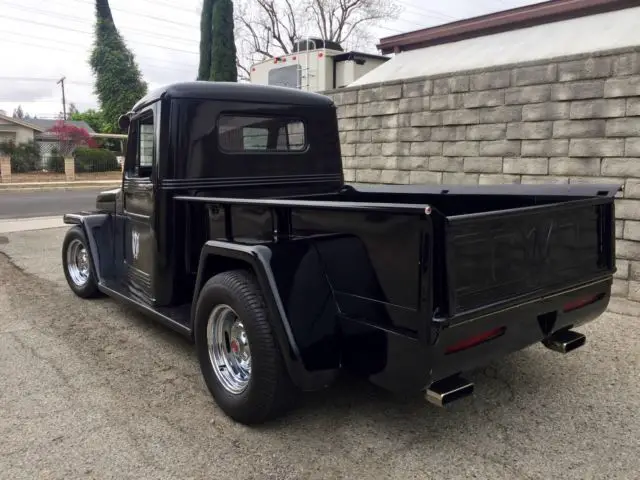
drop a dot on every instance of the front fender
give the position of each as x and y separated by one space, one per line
98 229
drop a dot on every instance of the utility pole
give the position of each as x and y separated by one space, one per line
64 102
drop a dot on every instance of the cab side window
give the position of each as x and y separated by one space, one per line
141 165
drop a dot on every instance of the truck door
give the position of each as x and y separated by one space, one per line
138 191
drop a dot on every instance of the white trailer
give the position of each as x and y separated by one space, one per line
315 65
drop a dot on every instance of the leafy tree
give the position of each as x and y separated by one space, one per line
95 119
18 112
72 109
71 137
119 82
204 68
223 47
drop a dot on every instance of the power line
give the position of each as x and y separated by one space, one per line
44 79
143 33
139 14
50 47
34 22
428 11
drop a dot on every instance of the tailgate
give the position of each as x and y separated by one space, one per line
503 256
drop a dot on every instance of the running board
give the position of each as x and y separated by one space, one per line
146 310
564 341
448 390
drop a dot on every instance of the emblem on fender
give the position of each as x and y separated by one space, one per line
135 244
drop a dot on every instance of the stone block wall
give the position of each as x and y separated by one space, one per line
567 120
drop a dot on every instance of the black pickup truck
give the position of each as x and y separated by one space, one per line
235 227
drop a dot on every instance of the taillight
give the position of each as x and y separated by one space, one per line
475 340
581 302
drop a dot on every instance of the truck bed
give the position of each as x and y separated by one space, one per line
490 245
504 242
410 272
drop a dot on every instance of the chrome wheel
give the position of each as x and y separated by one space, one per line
229 349
78 263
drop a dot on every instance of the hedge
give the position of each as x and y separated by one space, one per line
95 160
25 157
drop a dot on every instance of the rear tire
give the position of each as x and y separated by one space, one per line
77 264
238 352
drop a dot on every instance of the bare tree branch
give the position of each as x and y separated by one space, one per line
269 28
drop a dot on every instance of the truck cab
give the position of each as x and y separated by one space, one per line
234 226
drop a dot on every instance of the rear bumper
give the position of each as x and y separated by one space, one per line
412 365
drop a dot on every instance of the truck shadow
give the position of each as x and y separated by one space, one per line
516 379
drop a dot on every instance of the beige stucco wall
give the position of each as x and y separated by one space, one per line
564 121
22 134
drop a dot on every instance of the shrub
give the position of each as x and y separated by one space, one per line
94 160
55 163
25 157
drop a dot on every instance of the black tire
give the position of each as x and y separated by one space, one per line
269 391
88 289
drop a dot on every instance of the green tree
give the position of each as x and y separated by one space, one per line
204 68
223 46
119 82
95 119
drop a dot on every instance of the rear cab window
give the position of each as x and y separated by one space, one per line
261 134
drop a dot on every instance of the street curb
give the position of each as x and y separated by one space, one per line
31 187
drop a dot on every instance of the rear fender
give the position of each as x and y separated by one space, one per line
98 229
219 256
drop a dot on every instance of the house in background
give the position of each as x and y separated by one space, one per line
37 131
16 130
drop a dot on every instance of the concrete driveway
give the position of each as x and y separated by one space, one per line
90 389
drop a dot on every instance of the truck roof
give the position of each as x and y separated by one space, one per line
241 92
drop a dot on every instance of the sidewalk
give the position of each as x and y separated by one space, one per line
33 223
106 184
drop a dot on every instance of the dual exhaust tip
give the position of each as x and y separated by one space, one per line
564 341
450 389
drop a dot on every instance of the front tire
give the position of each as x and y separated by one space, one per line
237 350
76 263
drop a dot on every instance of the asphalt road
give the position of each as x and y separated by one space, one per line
18 204
90 389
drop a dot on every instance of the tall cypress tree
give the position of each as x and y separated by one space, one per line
119 83
204 68
223 46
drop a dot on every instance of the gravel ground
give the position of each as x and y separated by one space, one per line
90 389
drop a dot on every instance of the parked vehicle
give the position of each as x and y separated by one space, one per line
234 226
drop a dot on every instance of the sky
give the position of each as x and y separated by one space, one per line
44 41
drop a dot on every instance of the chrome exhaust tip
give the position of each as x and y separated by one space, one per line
564 341
448 390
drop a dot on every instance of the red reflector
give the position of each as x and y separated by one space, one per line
475 340
581 302
293 58
320 55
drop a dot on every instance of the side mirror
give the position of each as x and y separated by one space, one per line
123 122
